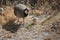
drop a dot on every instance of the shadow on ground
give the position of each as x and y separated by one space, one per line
10 26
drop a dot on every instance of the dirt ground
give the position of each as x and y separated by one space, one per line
41 27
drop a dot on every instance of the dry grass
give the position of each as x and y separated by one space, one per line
8 15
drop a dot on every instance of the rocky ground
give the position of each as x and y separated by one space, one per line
42 27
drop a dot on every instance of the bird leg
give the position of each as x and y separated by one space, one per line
17 20
21 20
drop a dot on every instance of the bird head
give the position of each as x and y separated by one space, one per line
26 11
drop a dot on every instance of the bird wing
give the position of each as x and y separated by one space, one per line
21 6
